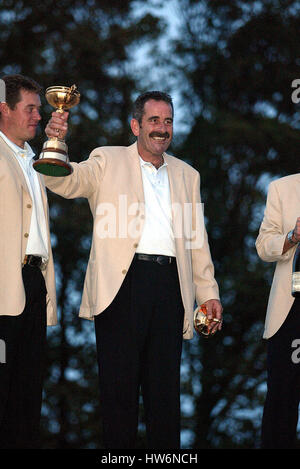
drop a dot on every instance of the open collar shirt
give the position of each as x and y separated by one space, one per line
157 236
38 239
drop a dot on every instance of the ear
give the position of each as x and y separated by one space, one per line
4 109
135 127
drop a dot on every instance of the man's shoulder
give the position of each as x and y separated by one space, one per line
109 151
3 144
181 163
5 150
286 181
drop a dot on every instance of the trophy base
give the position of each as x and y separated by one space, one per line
52 167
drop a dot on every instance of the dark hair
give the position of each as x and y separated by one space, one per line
139 104
14 84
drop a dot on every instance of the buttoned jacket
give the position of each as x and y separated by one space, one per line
281 212
111 180
15 215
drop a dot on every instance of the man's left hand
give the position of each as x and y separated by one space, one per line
214 314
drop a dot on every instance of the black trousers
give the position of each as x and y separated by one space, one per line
280 415
22 373
139 343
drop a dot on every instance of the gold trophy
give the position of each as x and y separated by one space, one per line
201 322
54 160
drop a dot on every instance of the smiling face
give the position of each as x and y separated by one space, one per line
155 132
20 123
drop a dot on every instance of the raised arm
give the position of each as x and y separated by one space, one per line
85 176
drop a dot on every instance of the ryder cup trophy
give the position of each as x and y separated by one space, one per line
54 160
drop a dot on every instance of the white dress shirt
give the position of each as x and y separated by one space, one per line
37 243
157 236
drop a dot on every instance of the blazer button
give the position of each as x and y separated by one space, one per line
124 271
26 235
135 245
28 205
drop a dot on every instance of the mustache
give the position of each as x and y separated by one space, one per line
158 134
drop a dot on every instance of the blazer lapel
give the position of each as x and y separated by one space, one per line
175 174
175 178
8 154
44 195
135 176
298 186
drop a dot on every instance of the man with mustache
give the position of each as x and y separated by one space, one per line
142 281
27 284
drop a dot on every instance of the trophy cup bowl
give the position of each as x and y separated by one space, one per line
201 322
54 160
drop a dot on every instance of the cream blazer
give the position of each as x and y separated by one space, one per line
111 179
282 210
15 215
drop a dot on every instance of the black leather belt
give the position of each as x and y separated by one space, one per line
162 260
33 261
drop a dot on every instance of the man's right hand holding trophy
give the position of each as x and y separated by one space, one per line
57 125
57 129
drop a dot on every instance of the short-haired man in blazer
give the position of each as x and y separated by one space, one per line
278 238
27 284
144 271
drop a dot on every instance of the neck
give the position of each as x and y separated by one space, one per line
16 141
157 161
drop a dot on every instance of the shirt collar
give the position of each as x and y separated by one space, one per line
147 163
25 152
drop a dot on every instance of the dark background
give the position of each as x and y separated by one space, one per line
230 67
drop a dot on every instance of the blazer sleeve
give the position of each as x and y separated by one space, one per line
271 238
203 268
84 179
